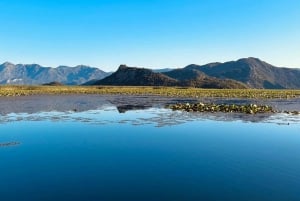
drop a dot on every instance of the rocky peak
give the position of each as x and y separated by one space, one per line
251 61
123 66
6 64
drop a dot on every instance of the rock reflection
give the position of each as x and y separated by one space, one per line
9 144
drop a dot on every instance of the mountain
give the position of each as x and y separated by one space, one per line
133 76
251 71
30 74
243 73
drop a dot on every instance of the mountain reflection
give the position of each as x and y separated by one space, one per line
125 108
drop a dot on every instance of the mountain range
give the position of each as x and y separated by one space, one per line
243 73
34 74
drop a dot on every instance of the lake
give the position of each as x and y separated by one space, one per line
133 148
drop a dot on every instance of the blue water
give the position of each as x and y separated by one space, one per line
153 154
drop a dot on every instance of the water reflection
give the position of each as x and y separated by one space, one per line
133 148
158 117
135 110
79 103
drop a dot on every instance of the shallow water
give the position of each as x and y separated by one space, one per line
87 148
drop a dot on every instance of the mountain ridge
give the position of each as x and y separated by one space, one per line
31 74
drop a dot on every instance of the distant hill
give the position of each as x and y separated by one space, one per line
53 84
30 74
251 71
133 76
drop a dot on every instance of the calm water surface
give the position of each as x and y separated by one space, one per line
113 148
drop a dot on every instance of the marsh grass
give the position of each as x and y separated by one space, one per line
160 91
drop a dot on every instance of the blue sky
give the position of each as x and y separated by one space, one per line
149 33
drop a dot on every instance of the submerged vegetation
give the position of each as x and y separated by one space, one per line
233 108
211 107
160 91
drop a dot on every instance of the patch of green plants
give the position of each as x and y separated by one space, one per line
233 108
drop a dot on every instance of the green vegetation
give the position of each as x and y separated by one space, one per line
202 107
160 91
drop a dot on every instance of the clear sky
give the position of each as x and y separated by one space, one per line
148 33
